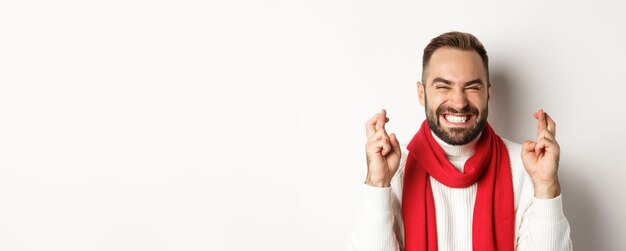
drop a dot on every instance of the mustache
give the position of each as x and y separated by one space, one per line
468 109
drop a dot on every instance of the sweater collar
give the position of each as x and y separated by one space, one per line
466 150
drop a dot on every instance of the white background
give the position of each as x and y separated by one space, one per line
239 125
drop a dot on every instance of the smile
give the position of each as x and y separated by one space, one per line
458 119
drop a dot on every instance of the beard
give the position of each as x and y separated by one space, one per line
455 135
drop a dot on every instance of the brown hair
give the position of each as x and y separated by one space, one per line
458 40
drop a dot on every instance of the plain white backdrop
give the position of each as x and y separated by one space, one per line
239 125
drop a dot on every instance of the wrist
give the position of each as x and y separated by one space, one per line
377 182
547 189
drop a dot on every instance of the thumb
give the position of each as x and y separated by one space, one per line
395 144
528 147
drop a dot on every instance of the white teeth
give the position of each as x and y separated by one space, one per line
456 119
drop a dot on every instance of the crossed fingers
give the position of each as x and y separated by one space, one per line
376 134
546 133
376 123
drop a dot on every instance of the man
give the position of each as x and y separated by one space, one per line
460 186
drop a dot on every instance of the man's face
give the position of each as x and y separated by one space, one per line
455 94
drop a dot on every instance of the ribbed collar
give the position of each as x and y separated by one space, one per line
466 150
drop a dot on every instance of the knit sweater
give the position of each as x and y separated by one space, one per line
539 223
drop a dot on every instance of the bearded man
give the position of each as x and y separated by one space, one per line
460 186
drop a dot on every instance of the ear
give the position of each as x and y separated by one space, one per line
420 92
488 91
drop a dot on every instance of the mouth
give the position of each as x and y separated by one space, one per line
457 119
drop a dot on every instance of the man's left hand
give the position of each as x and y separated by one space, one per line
541 158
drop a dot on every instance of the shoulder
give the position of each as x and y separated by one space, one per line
513 147
398 178
405 155
522 184
514 150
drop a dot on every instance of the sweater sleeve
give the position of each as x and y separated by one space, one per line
540 223
379 223
374 222
544 226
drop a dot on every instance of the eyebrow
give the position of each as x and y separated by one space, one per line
448 82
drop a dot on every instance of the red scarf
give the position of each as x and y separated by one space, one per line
493 225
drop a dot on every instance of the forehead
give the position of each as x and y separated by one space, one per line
455 65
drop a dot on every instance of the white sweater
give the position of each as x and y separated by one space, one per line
539 223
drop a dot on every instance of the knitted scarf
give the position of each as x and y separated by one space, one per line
493 225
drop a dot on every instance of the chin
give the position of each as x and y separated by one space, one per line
455 135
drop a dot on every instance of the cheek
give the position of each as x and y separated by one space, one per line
478 100
435 99
433 104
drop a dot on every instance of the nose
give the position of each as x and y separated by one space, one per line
458 99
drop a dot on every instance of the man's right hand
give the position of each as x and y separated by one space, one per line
382 150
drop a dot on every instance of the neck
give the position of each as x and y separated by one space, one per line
466 150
